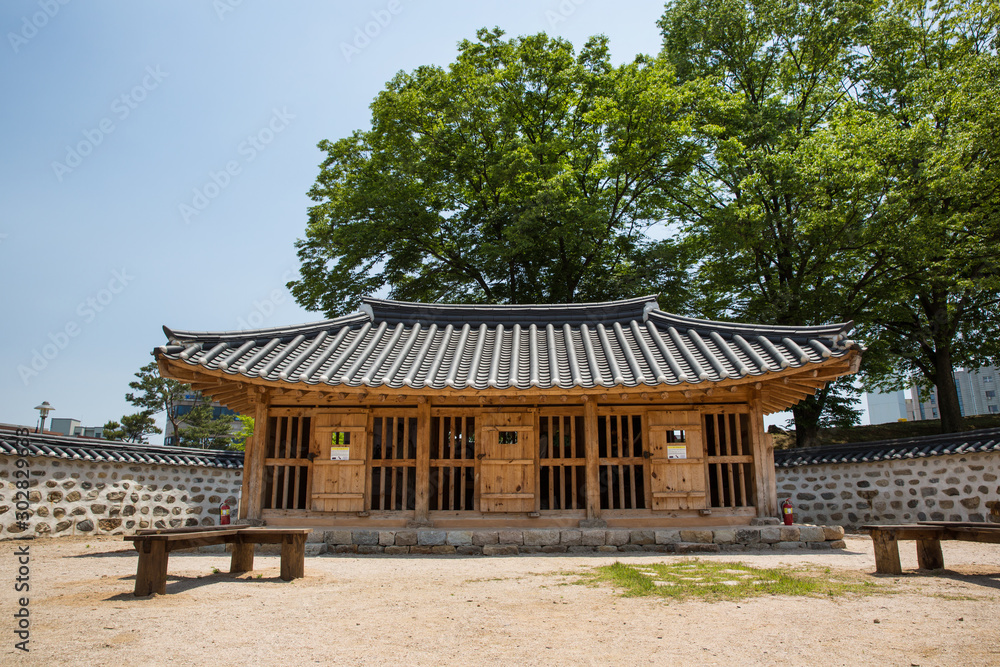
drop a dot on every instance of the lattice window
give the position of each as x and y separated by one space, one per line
453 462
286 466
562 471
394 463
620 454
730 460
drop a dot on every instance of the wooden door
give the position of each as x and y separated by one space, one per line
507 462
340 446
676 460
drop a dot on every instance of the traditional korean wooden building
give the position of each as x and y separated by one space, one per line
463 416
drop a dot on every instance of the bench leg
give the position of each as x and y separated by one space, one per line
242 560
929 556
151 575
886 553
293 557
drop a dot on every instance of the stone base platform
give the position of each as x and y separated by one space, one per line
532 541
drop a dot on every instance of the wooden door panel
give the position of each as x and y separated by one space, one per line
507 462
338 482
676 461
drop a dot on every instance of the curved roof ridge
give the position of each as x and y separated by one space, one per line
180 336
411 312
732 328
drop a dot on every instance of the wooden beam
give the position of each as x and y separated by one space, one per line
590 440
253 460
422 500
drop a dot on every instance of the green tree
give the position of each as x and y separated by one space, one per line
932 90
133 428
779 207
246 431
157 394
521 173
200 428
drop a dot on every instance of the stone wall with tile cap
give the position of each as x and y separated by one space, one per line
957 487
512 542
77 497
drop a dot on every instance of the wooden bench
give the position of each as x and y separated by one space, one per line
154 547
928 536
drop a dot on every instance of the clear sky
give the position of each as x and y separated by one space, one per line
115 115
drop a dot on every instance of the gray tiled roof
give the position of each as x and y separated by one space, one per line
399 344
93 449
985 440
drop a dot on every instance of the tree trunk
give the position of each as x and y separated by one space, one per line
806 415
947 393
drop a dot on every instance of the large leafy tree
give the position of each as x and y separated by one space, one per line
932 89
133 428
155 394
779 206
523 172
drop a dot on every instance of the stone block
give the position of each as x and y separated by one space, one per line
748 535
336 537
593 523
837 544
833 532
723 536
345 548
443 549
459 537
658 548
704 536
819 546
370 549
607 548
630 547
789 533
421 550
541 537
580 549
365 537
770 534
786 546
734 547
592 537
500 550
616 537
406 538
554 549
431 538
85 526
469 550
510 536
812 534
315 548
396 551
696 547
387 538
484 537
571 538
767 520
642 537
533 549
667 536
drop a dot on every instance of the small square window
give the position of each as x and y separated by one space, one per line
507 437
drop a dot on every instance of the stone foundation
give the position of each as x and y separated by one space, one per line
958 487
92 497
534 541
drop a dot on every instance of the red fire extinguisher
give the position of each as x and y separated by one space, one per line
786 512
224 514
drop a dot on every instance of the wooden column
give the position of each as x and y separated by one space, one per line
591 450
253 460
766 494
422 500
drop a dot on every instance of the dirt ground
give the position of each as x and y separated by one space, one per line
431 610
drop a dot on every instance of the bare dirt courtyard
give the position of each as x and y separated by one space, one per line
431 610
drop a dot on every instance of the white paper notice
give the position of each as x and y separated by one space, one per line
677 451
340 453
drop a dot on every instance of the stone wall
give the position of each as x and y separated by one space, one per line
87 497
958 487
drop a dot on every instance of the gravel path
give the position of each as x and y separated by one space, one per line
518 610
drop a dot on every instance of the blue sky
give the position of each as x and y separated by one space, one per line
156 159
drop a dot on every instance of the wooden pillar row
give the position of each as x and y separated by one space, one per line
253 460
590 437
422 500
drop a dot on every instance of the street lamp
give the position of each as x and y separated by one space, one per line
44 409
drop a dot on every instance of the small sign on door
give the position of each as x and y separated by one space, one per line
340 453
677 451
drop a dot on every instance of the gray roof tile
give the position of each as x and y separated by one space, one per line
398 344
984 440
92 449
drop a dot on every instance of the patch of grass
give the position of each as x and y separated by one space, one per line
712 581
215 570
